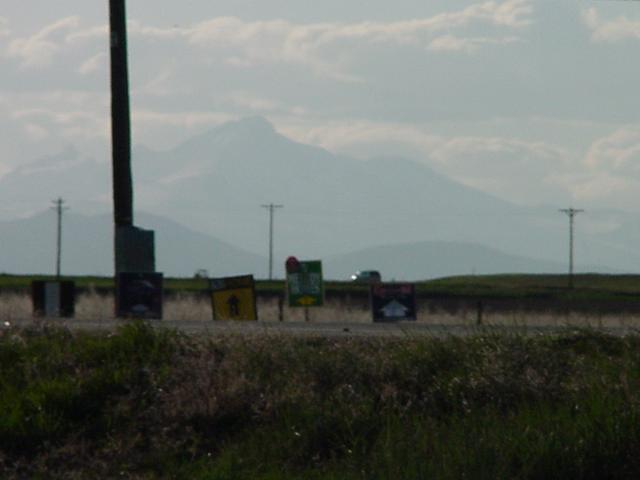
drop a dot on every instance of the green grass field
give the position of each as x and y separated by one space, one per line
491 286
147 404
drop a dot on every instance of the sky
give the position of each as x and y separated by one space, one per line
535 102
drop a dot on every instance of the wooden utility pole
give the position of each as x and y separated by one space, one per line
59 208
134 247
120 119
571 213
272 208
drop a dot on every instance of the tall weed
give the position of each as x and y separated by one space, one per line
148 403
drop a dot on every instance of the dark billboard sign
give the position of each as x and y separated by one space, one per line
391 302
53 298
139 295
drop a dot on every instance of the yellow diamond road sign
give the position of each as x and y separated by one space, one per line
233 298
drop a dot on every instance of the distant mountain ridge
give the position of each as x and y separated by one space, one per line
331 203
28 247
216 182
428 260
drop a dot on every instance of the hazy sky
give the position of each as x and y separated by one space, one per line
534 101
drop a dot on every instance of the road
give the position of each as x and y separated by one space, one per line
324 329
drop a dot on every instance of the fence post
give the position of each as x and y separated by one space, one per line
281 308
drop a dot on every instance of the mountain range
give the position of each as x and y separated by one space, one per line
204 198
29 246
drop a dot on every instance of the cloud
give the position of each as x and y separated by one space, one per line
73 125
514 169
608 174
40 49
514 13
188 119
522 171
4 27
455 150
617 153
97 63
87 34
362 138
252 102
329 49
603 187
451 43
165 129
318 45
610 31
51 120
36 132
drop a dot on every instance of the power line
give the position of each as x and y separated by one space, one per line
59 208
571 213
272 208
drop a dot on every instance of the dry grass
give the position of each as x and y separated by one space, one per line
92 306
14 306
95 307
188 307
142 403
536 319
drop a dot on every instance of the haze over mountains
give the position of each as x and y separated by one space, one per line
393 214
181 252
29 247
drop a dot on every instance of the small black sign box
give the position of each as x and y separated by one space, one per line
139 295
391 302
53 298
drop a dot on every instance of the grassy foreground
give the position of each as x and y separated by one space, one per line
156 404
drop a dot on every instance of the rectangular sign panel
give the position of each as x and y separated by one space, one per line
139 295
305 287
233 298
392 302
53 298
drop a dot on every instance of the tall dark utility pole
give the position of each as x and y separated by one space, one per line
272 208
120 119
59 208
571 213
134 247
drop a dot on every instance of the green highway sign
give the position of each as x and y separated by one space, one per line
305 287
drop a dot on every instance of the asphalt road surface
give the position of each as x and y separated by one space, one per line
323 329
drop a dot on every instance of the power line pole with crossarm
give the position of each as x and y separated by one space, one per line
59 208
272 208
571 213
